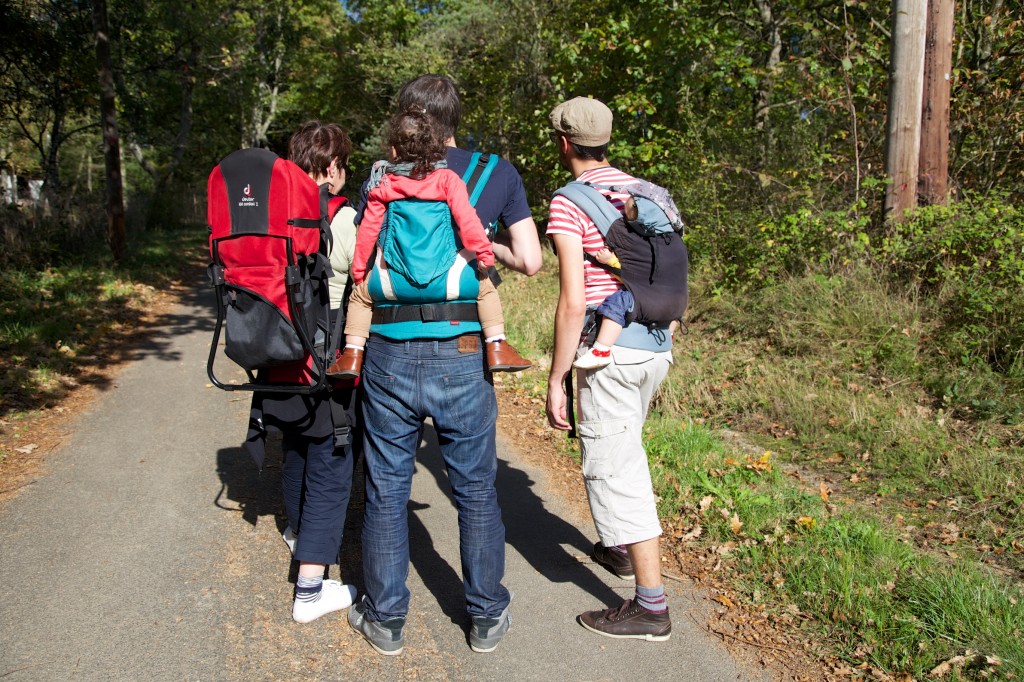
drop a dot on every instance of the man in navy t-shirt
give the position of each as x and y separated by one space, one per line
407 379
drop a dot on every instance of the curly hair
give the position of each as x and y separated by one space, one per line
316 144
417 139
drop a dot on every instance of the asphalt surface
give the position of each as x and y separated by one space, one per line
151 549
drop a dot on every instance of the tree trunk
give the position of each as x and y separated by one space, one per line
111 141
763 93
51 169
933 171
188 84
903 139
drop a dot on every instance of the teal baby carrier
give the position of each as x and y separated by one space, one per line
424 283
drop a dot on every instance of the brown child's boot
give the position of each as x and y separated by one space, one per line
348 365
502 357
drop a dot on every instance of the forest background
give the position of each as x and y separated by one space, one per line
874 370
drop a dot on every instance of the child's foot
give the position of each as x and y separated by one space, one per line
348 365
502 357
594 359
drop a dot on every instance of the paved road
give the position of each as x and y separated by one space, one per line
151 550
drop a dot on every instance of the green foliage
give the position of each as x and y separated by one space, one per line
47 81
56 317
970 256
845 573
987 121
903 611
769 250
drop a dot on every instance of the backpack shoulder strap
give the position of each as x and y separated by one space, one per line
335 204
327 240
592 202
478 172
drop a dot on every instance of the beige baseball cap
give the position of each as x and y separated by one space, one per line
585 121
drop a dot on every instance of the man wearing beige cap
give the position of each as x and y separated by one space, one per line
613 400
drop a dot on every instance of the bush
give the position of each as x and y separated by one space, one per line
762 250
969 256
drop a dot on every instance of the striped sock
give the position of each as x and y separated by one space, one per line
308 589
652 598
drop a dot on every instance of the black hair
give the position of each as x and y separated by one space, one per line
438 96
599 153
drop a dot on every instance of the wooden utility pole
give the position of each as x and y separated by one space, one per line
905 93
111 140
933 182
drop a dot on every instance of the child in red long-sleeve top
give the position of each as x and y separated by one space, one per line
418 171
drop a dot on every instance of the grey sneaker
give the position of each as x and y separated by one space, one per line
386 637
485 633
617 563
629 621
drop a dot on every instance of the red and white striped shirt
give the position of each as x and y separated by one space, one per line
568 218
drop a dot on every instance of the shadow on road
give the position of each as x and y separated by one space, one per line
246 489
548 543
257 494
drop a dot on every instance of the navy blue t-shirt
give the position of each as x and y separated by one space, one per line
503 199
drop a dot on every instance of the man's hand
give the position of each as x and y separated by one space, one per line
556 406
569 314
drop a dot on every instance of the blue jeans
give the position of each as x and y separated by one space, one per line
405 382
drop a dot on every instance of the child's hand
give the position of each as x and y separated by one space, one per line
607 257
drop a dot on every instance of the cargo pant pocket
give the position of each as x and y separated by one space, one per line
600 441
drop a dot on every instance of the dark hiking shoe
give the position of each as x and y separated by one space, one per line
617 563
386 637
485 633
629 621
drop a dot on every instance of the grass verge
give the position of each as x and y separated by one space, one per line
855 504
57 319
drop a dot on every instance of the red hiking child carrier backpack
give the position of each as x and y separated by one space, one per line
269 268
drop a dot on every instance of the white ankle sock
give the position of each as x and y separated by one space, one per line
308 589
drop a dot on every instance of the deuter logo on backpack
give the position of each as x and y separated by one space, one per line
248 200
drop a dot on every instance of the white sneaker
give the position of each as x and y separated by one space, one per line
290 538
591 361
333 597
